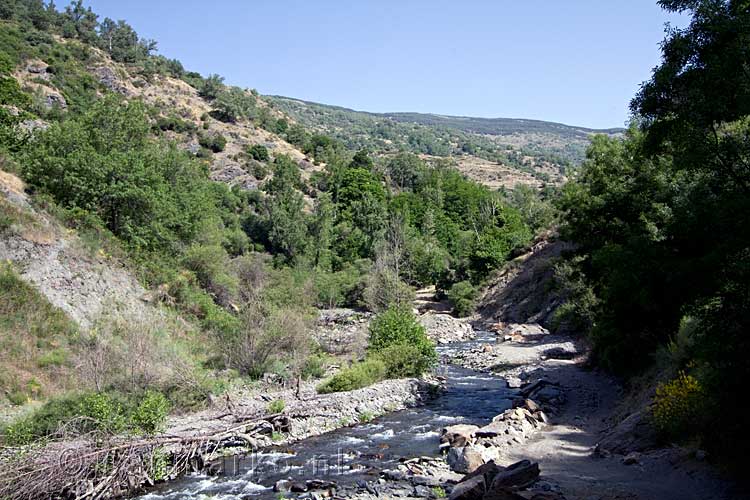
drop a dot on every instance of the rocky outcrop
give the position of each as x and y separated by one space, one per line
85 285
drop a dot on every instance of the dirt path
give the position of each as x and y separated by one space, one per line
565 449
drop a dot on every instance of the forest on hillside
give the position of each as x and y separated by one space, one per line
657 281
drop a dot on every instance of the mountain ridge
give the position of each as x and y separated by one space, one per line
419 117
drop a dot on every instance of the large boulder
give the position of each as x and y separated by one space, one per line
473 489
458 435
465 460
634 433
518 475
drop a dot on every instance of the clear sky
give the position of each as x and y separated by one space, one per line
574 61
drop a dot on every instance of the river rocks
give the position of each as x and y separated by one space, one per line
445 329
458 435
521 332
465 460
473 489
493 482
518 475
631 458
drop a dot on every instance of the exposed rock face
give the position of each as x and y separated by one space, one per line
445 329
521 293
465 459
107 77
85 286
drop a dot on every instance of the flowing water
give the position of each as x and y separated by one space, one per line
352 454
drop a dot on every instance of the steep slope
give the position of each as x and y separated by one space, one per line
171 99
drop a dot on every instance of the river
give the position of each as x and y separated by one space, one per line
357 453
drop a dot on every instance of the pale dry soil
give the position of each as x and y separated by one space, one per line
565 448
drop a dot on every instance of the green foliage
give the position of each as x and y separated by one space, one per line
678 406
403 360
33 333
314 367
396 332
233 104
150 415
356 376
276 406
660 219
103 162
438 492
210 264
211 87
366 417
175 124
258 152
11 93
213 142
462 296
383 290
104 412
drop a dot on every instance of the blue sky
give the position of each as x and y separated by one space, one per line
575 61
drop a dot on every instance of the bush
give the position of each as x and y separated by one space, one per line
462 296
314 367
384 289
276 406
396 332
151 413
678 406
214 142
258 152
356 376
210 264
233 104
106 412
404 360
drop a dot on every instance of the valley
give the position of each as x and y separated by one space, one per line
209 292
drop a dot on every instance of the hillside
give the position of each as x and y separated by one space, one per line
510 151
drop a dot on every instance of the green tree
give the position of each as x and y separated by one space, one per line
211 87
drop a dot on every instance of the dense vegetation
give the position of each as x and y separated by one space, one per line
661 220
521 144
245 268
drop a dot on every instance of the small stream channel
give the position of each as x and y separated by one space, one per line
352 454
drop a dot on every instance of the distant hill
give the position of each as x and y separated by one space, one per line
498 126
545 151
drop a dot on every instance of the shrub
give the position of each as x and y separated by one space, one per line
396 332
214 142
314 367
233 104
462 296
259 170
384 289
354 377
258 152
151 413
678 405
211 87
404 360
276 406
210 264
105 411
